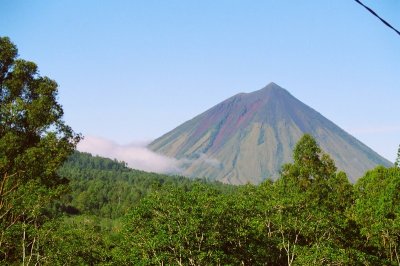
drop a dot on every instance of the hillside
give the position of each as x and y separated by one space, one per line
108 188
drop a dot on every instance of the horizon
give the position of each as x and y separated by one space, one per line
130 72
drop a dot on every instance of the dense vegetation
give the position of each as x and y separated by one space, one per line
311 215
107 188
95 211
34 143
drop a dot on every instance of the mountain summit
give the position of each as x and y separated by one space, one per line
249 136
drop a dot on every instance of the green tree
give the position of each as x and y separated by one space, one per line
175 227
377 211
34 142
77 240
310 199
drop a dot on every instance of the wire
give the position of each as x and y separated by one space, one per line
376 15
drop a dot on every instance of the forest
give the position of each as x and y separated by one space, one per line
109 214
62 207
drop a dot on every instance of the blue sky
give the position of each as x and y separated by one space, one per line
129 71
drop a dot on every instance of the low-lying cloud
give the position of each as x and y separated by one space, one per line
137 155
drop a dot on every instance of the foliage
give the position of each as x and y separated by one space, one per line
306 213
298 220
377 211
311 215
108 188
201 226
81 240
34 142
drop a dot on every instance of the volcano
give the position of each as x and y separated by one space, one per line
248 137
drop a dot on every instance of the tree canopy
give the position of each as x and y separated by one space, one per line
34 143
116 215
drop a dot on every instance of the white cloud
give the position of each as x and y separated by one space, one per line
136 155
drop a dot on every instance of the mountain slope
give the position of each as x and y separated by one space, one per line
248 137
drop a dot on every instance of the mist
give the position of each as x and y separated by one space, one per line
136 155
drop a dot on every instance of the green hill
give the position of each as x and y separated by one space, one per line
108 188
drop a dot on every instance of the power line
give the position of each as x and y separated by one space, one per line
376 15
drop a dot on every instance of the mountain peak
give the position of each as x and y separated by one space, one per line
272 85
272 90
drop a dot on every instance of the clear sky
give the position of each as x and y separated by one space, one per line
130 71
